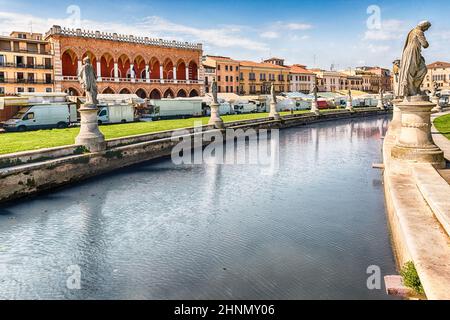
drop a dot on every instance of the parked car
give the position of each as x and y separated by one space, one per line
45 116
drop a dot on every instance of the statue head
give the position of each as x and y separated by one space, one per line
87 60
424 25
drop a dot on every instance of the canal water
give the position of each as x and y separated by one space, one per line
308 230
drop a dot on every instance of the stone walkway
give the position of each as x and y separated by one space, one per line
417 232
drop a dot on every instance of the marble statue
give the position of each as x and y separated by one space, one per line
315 90
214 92
272 93
412 67
88 82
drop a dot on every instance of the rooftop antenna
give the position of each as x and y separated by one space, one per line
315 66
31 26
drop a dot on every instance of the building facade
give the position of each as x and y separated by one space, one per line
380 79
355 82
150 68
301 79
209 67
227 73
26 64
438 72
257 78
329 81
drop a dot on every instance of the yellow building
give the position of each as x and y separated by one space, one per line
257 77
226 73
26 64
438 72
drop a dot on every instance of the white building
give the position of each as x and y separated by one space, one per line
329 81
301 79
438 72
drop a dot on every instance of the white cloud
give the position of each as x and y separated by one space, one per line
298 26
390 30
296 37
153 26
378 49
269 35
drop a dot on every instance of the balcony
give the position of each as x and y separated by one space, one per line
25 66
25 81
137 80
46 53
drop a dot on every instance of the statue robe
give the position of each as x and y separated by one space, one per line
413 68
88 81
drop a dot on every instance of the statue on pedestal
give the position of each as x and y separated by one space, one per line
381 99
273 104
412 67
215 119
414 140
88 82
314 105
272 93
315 90
90 135
214 92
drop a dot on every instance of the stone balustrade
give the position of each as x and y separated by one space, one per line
137 80
57 30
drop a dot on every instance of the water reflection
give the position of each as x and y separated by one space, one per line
157 231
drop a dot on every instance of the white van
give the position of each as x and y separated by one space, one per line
45 116
116 114
241 108
176 108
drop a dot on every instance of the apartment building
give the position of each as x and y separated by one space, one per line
301 79
26 64
257 77
438 72
226 73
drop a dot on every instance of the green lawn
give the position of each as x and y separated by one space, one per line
443 125
34 140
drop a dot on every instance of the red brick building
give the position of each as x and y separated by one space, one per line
151 68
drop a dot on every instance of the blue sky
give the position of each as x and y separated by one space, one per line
317 33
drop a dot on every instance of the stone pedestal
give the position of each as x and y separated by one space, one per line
397 114
349 106
90 135
273 111
215 119
315 108
415 143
